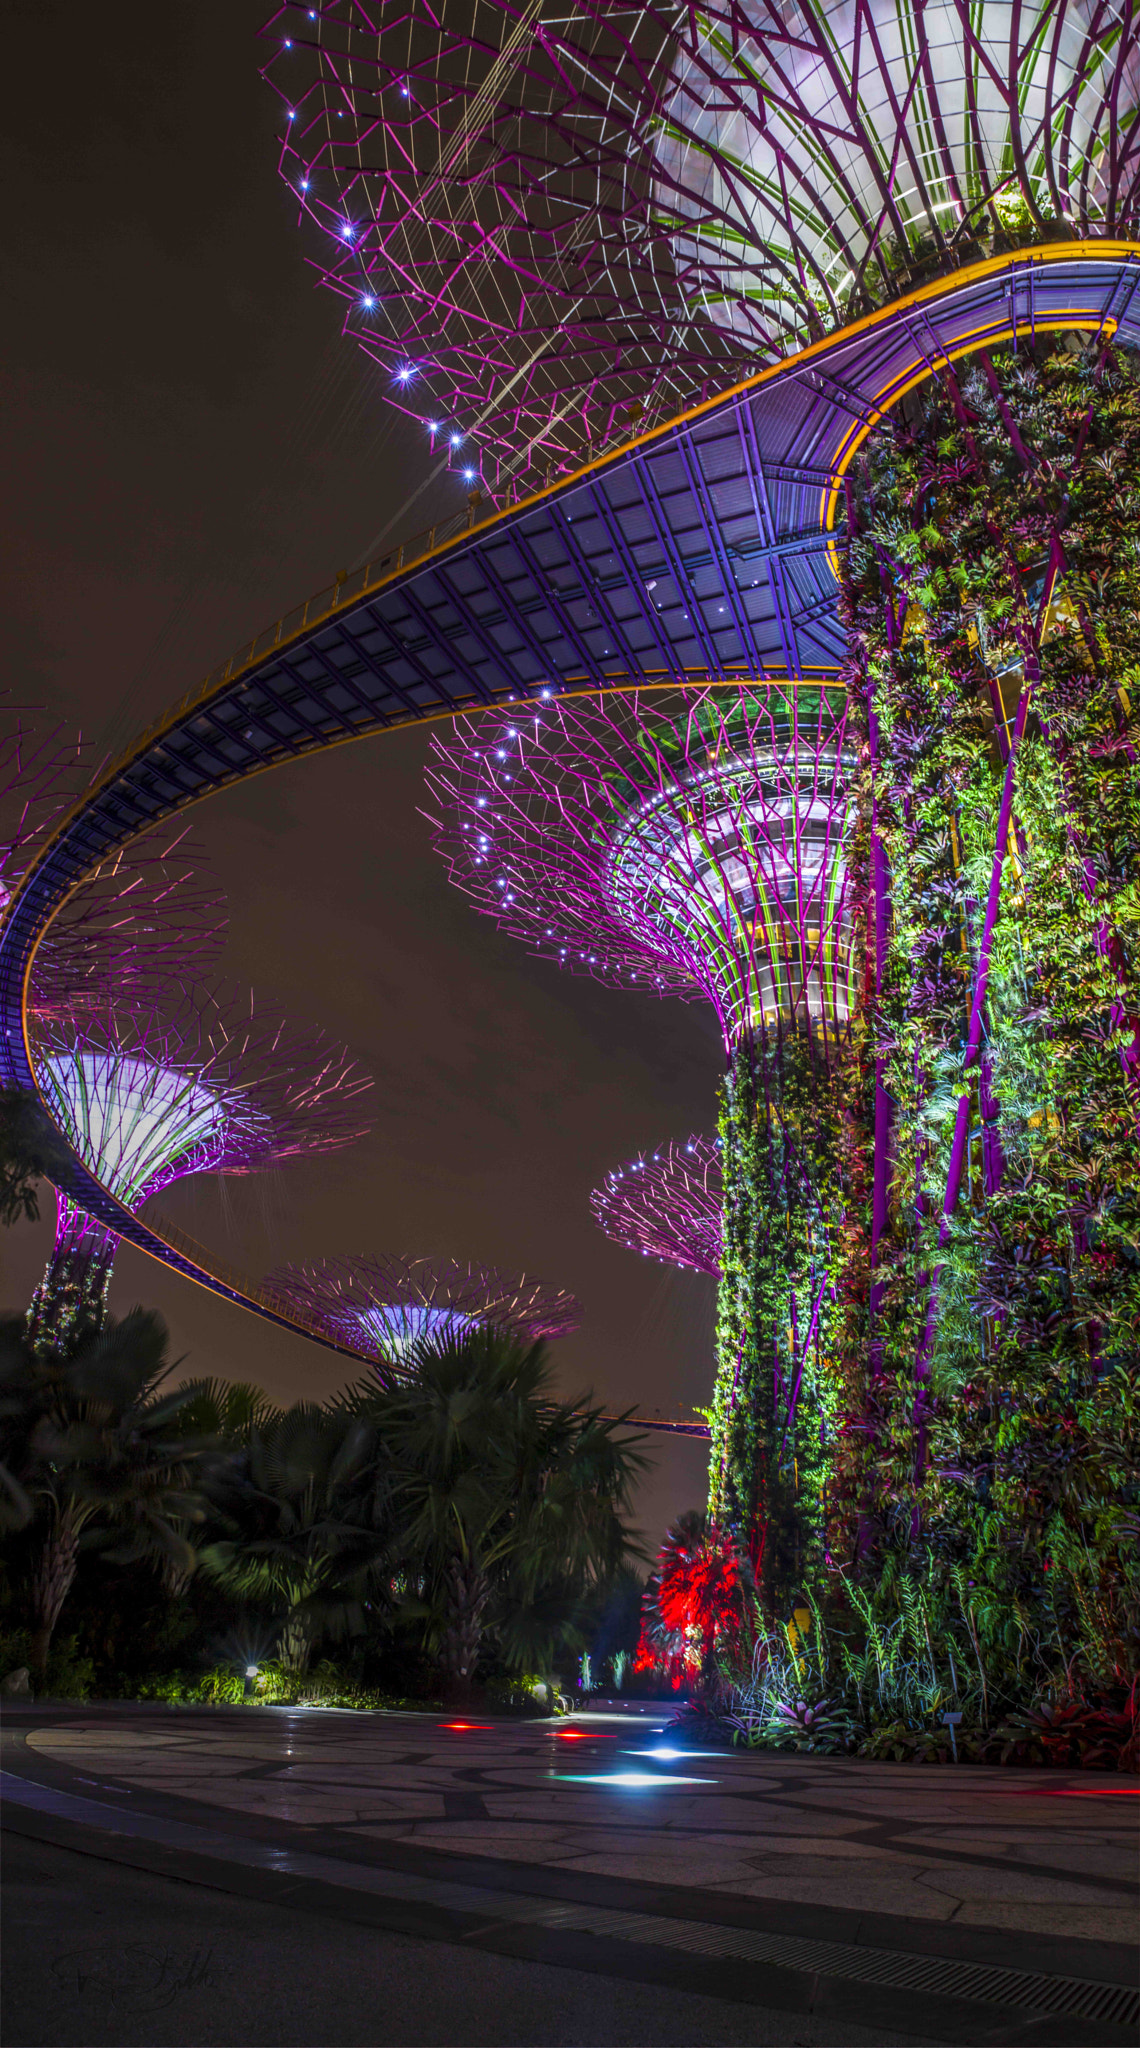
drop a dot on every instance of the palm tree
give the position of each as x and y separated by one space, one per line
509 1502
95 1453
303 1512
224 1415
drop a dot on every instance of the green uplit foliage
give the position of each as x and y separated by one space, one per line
995 546
507 1504
302 1524
778 1151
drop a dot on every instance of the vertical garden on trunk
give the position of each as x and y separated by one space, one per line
993 599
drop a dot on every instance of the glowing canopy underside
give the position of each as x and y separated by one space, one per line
546 223
383 1305
667 1204
680 843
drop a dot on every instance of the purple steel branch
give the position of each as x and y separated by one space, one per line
667 1204
551 230
686 844
147 915
378 1303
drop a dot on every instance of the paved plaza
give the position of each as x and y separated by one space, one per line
871 1902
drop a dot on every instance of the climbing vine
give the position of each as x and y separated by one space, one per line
773 1414
993 600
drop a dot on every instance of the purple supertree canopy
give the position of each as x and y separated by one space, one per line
39 775
146 919
382 1306
667 1204
202 1085
554 228
198 1085
150 913
686 844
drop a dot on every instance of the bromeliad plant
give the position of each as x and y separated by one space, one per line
699 1602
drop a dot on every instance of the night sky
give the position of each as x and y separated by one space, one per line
191 448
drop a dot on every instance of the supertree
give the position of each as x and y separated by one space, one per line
149 911
383 1306
200 1084
551 228
559 229
667 1204
694 844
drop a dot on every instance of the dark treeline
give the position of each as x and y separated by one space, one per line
464 1526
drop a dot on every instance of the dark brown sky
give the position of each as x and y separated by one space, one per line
190 449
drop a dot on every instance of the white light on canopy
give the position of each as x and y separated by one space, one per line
784 154
137 1125
743 868
393 1327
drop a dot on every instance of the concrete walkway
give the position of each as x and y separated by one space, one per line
920 1903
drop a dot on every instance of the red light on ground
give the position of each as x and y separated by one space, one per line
467 1727
581 1735
1071 1792
1110 1792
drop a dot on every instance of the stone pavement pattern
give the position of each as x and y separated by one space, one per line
1045 1853
98 1956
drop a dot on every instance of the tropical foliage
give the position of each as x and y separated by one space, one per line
465 1528
995 592
509 1503
93 1455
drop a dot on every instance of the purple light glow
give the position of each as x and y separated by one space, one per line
667 1204
690 844
381 1306
202 1085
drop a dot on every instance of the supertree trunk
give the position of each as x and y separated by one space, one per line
994 607
772 1416
70 1302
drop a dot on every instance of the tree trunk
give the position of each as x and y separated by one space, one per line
467 1595
51 1584
295 1643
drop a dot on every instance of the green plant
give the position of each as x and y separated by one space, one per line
992 589
69 1674
509 1503
92 1443
304 1525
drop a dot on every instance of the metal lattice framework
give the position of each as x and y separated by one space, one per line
203 1085
667 1204
200 1085
141 917
547 224
690 846
382 1306
143 921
